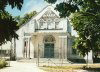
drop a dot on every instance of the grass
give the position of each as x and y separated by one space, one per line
3 63
72 68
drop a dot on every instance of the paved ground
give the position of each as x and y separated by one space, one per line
27 67
21 67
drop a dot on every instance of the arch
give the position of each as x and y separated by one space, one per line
49 39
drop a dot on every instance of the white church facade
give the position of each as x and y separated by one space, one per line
45 33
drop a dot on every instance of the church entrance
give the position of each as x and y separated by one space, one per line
49 50
49 47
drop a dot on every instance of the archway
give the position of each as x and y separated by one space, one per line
49 46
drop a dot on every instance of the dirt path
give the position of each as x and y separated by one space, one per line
21 67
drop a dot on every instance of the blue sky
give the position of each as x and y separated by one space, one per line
29 6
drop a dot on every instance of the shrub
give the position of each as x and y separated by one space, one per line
3 63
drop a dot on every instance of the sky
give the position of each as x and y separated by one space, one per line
29 6
32 5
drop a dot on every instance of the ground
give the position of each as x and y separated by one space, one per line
73 68
21 67
32 67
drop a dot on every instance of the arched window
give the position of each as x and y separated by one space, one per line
49 39
41 22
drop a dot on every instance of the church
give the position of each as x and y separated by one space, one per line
46 34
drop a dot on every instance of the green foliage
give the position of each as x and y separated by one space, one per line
3 63
51 1
17 18
89 5
7 27
66 9
81 46
22 20
88 28
12 3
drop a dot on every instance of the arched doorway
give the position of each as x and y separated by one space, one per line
49 46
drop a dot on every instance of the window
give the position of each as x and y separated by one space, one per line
49 24
56 25
25 48
49 38
41 22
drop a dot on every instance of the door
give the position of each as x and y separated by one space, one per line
49 50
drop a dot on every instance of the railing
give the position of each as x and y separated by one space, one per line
50 29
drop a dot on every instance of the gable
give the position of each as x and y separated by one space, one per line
47 12
49 16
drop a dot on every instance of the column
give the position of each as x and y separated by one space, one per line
31 47
60 42
63 47
23 47
69 52
28 48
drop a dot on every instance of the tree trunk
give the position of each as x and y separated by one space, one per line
87 60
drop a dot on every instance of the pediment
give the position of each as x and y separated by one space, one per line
48 16
47 12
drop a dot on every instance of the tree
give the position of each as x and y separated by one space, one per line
85 20
88 28
12 3
23 20
8 25
17 18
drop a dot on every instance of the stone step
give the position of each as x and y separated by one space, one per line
47 61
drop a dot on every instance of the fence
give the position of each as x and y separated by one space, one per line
51 56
